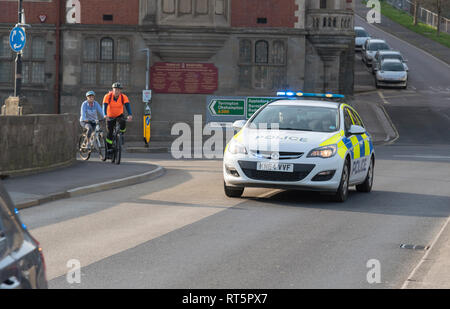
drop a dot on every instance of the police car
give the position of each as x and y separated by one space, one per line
300 141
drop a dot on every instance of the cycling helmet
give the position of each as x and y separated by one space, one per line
90 93
117 85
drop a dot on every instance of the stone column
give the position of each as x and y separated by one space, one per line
15 106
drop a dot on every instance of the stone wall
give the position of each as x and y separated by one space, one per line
33 143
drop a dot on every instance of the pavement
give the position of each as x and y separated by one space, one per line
83 177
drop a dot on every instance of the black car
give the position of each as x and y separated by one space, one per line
22 263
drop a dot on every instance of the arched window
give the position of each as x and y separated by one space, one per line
106 49
33 65
266 68
105 61
261 52
245 51
123 58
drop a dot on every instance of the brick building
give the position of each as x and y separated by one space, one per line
257 46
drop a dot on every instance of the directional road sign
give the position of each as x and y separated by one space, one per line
227 107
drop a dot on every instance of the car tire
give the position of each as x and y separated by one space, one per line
232 191
366 186
342 191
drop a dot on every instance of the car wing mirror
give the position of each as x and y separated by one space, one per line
239 124
356 130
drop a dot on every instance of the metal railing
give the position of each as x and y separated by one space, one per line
425 16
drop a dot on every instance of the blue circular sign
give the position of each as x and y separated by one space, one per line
17 39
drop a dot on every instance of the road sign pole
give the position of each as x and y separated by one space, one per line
18 81
18 73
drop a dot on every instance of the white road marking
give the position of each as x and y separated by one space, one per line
422 156
382 97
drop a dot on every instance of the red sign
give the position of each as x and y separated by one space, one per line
172 77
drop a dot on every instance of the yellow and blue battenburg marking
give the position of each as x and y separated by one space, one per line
344 144
293 94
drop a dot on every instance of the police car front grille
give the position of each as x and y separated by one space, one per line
284 155
299 173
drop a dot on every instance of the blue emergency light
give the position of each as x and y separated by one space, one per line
304 94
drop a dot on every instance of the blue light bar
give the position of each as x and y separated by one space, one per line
302 94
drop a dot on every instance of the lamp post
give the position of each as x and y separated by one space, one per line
147 68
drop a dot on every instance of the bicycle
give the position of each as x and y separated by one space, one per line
117 144
95 143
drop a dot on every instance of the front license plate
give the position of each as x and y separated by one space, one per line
275 167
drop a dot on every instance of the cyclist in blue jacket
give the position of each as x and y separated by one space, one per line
90 109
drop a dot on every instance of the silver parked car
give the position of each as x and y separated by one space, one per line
361 36
391 73
371 47
22 263
388 54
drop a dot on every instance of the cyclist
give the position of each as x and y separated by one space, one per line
113 103
90 109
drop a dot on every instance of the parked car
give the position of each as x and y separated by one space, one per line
391 73
387 54
371 47
361 36
22 263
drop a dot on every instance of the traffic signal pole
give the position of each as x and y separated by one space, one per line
147 109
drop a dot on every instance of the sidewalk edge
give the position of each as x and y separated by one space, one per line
104 186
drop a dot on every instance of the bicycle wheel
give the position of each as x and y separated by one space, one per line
118 148
101 146
83 143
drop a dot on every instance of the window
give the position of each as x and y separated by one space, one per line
105 61
323 4
356 119
262 64
6 63
347 120
33 61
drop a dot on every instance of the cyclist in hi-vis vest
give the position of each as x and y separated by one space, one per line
113 103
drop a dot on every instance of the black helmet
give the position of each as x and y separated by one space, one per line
117 85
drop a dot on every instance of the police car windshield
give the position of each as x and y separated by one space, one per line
295 117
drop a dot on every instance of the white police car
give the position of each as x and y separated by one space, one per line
298 143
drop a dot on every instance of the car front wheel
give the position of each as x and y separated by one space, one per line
342 192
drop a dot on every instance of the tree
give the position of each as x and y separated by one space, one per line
416 11
439 12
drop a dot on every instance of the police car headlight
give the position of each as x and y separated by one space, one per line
323 152
236 148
